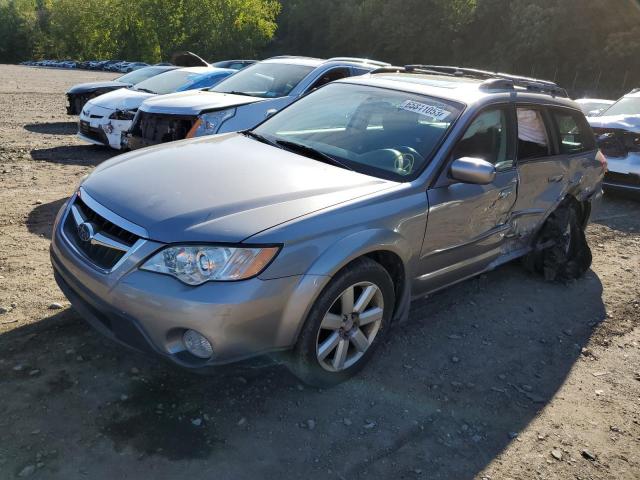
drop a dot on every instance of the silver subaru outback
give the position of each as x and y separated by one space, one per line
311 233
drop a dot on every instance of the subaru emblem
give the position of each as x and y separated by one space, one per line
85 231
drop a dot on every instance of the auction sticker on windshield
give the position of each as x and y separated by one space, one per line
433 111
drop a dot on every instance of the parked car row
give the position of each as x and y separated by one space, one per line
190 105
106 65
321 198
122 66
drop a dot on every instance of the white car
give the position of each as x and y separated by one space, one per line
105 118
593 106
618 133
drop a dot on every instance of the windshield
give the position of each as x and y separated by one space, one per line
166 82
205 80
386 133
624 106
141 74
265 80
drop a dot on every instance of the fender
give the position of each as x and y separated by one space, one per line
330 262
358 244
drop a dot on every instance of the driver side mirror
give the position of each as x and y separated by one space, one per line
473 170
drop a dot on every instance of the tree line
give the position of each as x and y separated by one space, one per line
143 30
588 46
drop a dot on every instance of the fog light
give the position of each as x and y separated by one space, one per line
197 344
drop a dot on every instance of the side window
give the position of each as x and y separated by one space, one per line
574 135
533 141
487 138
330 76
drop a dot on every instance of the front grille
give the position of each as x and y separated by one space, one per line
622 179
103 257
93 133
616 142
154 128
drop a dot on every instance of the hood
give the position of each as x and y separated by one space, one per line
93 86
223 188
620 122
121 99
188 59
192 102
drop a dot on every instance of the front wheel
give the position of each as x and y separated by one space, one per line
345 325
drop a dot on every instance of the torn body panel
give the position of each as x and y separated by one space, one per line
619 140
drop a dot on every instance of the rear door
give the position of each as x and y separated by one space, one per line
543 171
467 223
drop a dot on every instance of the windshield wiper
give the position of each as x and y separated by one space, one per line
146 90
238 93
260 138
312 153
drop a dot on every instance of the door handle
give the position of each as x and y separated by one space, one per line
555 179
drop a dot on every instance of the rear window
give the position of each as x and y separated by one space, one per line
574 134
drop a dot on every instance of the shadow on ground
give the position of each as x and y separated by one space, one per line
88 155
40 219
618 212
449 390
53 128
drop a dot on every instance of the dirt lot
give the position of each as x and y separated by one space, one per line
501 377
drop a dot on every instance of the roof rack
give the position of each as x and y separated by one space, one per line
358 60
492 80
294 56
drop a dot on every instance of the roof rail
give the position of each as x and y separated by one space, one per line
531 84
294 56
493 80
358 60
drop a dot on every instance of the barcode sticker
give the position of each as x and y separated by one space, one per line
432 111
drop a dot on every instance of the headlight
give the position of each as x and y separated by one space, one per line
123 115
196 264
209 123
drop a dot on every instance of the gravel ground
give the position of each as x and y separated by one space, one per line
504 376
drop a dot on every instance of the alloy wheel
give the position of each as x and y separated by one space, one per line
350 326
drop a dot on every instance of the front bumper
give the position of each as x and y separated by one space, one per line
153 128
95 126
149 311
134 142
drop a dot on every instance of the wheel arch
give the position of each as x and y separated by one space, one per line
389 249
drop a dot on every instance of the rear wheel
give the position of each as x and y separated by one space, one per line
561 251
345 325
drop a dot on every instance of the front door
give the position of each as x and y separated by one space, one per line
467 223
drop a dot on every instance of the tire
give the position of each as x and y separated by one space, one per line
561 252
331 348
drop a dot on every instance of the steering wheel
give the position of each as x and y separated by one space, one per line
400 160
407 159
